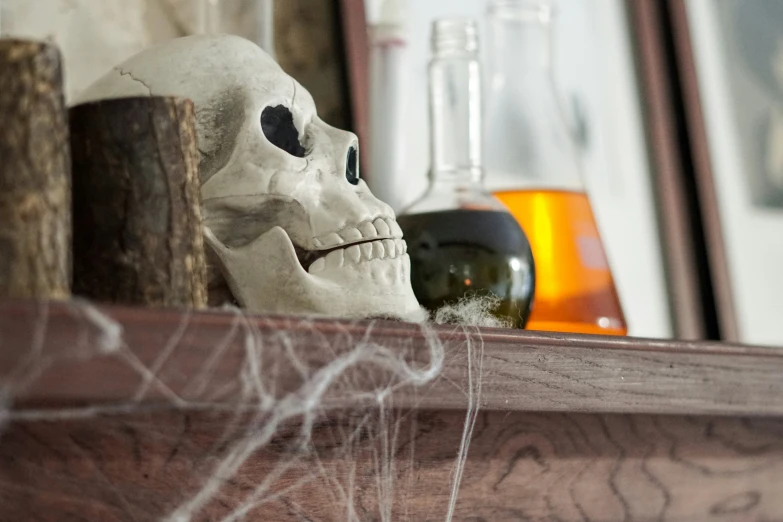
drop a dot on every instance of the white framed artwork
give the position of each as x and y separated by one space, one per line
737 55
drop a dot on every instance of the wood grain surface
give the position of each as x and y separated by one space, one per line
125 414
520 466
35 172
63 355
136 203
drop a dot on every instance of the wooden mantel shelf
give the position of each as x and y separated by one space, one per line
522 371
123 414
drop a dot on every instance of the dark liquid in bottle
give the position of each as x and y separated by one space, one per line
455 253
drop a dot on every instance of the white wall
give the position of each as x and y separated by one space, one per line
595 64
93 35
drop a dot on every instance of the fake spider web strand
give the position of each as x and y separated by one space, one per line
269 412
303 404
312 393
159 365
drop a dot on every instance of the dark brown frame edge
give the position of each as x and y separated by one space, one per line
521 371
667 165
702 164
357 54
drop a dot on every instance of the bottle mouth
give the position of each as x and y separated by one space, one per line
542 11
455 35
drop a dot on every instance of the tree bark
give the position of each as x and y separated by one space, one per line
137 211
35 192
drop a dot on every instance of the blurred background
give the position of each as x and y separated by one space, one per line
673 107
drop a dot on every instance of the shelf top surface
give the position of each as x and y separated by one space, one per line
77 356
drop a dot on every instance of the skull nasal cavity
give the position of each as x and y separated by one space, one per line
278 126
352 167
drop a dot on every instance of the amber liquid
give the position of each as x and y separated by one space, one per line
575 291
461 253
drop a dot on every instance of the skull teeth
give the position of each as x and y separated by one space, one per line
366 251
335 259
396 231
333 240
381 228
356 254
368 230
351 234
353 255
390 248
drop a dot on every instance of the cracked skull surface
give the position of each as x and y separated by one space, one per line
292 227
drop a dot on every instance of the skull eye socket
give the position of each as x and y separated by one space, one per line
277 123
352 167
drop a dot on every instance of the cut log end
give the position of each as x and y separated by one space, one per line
137 211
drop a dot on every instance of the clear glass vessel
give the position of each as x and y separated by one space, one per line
533 168
461 240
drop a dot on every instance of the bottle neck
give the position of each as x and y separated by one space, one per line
525 27
455 110
456 174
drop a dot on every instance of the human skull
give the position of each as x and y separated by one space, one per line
292 226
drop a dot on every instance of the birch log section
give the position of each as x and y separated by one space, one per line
35 217
137 216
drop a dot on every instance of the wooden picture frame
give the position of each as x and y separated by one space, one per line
679 226
729 101
356 47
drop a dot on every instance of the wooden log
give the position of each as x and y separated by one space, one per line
137 216
35 204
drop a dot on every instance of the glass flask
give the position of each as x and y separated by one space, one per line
533 168
461 240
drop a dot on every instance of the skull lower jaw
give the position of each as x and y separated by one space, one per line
267 277
376 288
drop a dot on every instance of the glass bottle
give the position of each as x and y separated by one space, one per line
461 240
533 168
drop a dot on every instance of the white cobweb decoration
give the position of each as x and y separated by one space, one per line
322 409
